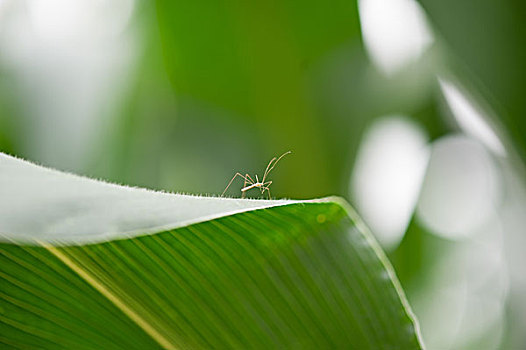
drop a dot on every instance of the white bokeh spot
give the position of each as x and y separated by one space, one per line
461 188
395 32
388 174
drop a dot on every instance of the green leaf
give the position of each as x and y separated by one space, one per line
90 265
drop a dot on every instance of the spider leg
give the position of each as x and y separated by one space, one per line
270 167
247 180
266 188
267 169
230 183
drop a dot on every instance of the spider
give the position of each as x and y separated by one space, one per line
250 183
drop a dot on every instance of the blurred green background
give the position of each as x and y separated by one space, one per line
412 111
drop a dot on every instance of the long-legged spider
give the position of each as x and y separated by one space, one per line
250 183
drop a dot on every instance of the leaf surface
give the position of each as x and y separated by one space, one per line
86 265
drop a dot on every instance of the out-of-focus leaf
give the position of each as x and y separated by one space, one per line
486 39
86 265
255 61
